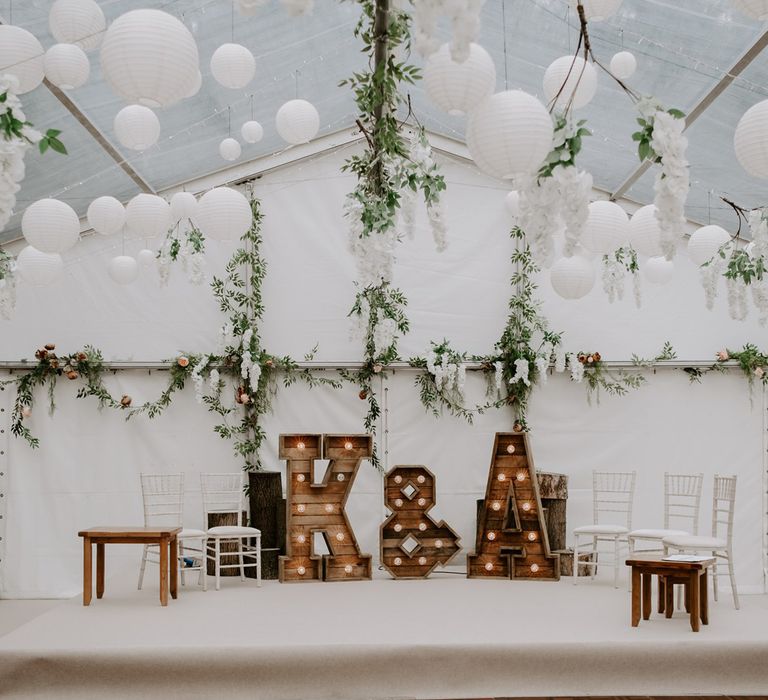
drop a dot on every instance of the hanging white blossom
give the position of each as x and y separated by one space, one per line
613 278
542 365
737 299
8 273
577 368
759 299
465 22
522 370
560 358
196 375
710 277
214 380
498 368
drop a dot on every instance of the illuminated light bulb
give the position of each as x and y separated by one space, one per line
301 539
339 477
526 506
422 561
439 544
300 477
422 526
502 477
348 569
399 502
340 536
398 527
511 449
521 476
422 501
348 445
398 561
532 536
534 568
300 445
328 508
398 479
301 507
301 571
491 536
496 505
421 479
489 566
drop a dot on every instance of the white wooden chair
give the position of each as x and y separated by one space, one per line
223 493
613 494
163 497
719 545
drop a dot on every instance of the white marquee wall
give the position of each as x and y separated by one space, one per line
86 470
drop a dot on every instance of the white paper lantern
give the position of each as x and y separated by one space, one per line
750 141
597 10
623 65
509 134
66 66
123 269
644 232
148 215
21 55
78 22
705 242
149 57
106 215
233 66
50 225
297 121
230 149
183 207
512 204
224 214
137 127
252 131
658 270
567 74
146 257
607 228
457 88
196 86
758 9
38 268
572 278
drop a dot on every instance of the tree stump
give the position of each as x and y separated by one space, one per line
216 520
566 562
267 507
553 489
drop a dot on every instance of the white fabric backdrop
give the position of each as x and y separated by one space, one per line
86 470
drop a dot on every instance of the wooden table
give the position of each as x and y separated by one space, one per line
164 537
691 574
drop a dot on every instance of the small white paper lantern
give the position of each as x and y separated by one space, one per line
658 270
644 232
572 278
597 10
705 242
146 257
196 85
297 121
38 268
149 57
21 55
570 73
183 207
233 66
78 22
758 9
457 88
137 127
66 66
512 204
148 215
224 214
607 228
106 215
252 131
623 65
50 226
509 134
750 141
230 149
123 269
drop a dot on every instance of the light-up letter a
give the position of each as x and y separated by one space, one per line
319 507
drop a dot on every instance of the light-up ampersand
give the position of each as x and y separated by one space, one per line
511 533
319 507
412 544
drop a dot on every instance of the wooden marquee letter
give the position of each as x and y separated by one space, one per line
512 537
320 508
412 544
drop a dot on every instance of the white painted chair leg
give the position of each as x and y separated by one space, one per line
731 575
616 563
217 561
143 565
204 564
593 568
714 579
258 561
576 560
241 544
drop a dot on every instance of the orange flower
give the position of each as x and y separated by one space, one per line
125 401
183 361
50 346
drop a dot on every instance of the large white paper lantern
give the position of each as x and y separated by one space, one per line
597 10
50 225
183 207
623 65
512 205
509 134
106 215
39 268
572 278
146 257
149 57
644 232
196 85
224 214
758 9
252 131
705 242
607 228
137 127
233 66
123 269
78 22
21 55
658 270
297 121
148 215
229 149
567 74
457 88
66 66
750 141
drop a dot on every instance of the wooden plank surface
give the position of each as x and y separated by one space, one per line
129 531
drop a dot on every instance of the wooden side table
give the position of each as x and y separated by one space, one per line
164 537
691 574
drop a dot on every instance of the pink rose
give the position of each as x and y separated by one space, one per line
759 372
723 355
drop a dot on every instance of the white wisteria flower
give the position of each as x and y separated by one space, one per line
8 271
522 369
13 150
560 358
577 369
464 16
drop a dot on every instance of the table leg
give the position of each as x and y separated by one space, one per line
99 569
87 571
163 571
704 597
174 567
662 586
669 598
687 600
693 599
647 596
635 596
